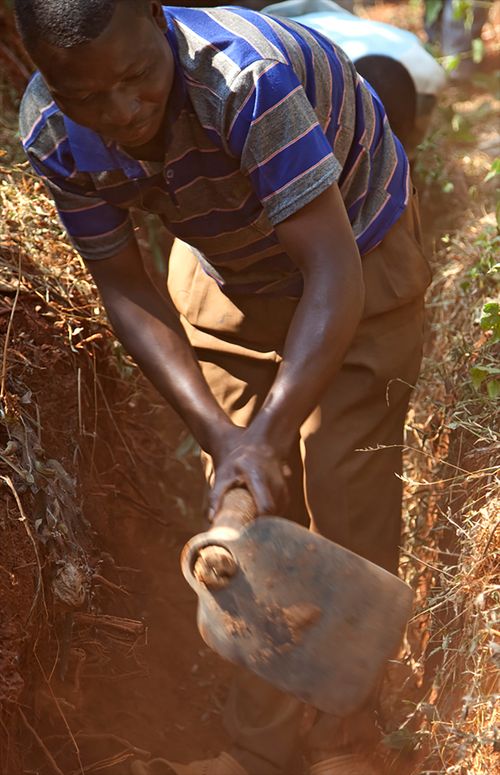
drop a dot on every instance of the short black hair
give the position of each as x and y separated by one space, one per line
396 89
64 23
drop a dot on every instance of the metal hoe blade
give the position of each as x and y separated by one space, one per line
305 614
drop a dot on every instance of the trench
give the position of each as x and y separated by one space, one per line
126 675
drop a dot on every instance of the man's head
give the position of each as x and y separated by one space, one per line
396 89
106 62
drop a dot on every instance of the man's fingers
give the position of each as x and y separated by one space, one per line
262 497
219 491
263 474
270 494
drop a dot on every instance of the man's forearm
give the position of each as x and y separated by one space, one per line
322 328
151 332
320 333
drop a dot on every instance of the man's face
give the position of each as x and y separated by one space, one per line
118 84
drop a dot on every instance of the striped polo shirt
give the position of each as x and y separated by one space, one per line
263 116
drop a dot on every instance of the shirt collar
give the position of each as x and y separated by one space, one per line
92 154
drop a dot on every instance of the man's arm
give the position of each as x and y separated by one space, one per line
320 241
148 326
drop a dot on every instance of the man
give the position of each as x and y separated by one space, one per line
292 331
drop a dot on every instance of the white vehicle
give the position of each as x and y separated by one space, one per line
379 52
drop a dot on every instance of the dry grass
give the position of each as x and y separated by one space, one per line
452 541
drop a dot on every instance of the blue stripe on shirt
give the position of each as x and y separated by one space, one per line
216 221
94 221
310 84
290 162
238 49
272 86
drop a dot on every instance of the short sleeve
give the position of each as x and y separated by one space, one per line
270 125
97 229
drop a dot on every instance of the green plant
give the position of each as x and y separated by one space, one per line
487 375
494 170
429 164
490 320
485 273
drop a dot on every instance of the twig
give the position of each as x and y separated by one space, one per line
63 717
16 61
428 564
112 418
115 739
96 409
24 521
79 398
150 511
107 583
9 328
106 764
129 626
41 744
490 538
408 448
92 338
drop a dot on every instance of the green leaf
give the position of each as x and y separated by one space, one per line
477 50
483 372
478 375
187 448
432 11
494 170
462 128
451 62
401 740
490 319
493 388
464 9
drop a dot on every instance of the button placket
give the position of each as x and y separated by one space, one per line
168 176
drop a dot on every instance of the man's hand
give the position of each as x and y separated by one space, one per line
245 460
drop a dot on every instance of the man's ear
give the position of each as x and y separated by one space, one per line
158 15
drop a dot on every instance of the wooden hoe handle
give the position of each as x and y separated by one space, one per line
237 509
215 565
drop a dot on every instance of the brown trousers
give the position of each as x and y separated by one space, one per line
347 455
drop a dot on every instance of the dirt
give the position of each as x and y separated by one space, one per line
125 669
299 618
234 625
17 592
288 624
